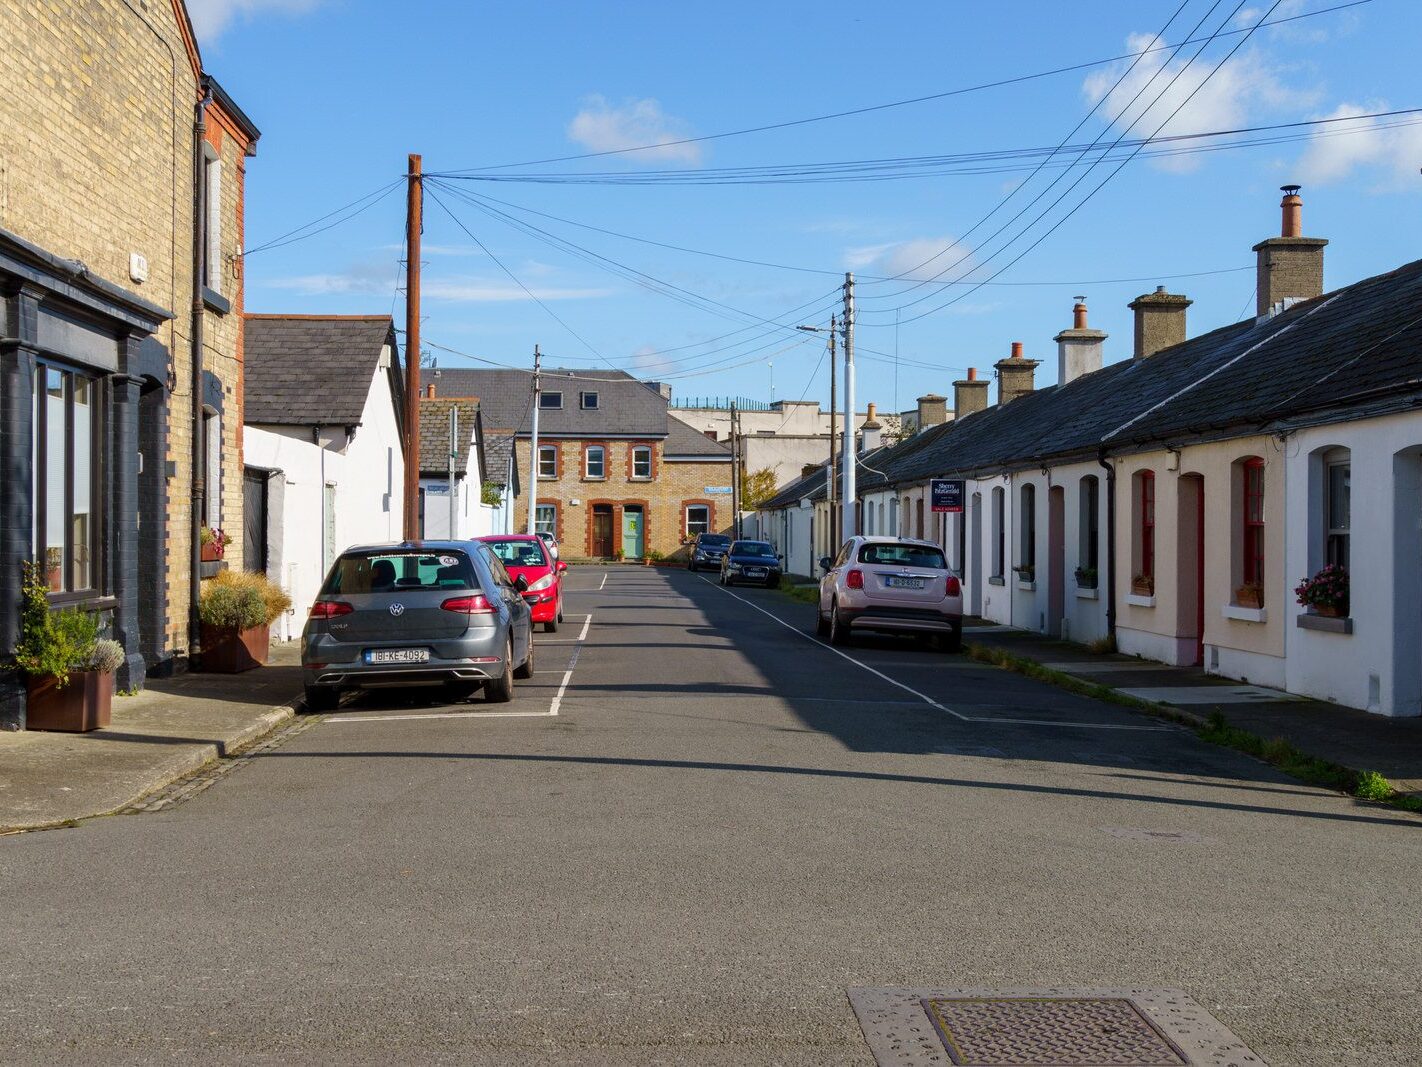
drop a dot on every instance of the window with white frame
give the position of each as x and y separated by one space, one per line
66 497
589 400
212 238
212 476
641 462
1337 506
545 519
595 462
550 400
1088 531
1028 522
698 519
548 461
999 532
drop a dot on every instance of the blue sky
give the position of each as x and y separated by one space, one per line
343 89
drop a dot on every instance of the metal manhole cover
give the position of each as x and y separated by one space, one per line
1049 1032
979 1027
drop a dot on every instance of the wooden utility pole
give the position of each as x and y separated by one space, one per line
414 220
830 494
534 405
735 474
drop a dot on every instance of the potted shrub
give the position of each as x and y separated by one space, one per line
1143 585
1326 593
69 669
236 612
1249 595
1026 572
1086 577
214 543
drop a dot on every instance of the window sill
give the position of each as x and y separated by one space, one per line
547 477
1324 624
1137 601
90 601
211 568
1234 611
997 579
1083 593
215 301
640 478
586 479
1026 587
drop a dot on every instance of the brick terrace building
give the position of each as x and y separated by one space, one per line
615 473
121 188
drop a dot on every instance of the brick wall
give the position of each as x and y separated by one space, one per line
663 497
96 118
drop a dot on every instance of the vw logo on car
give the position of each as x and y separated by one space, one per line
397 609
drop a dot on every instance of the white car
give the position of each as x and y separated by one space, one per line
890 585
551 542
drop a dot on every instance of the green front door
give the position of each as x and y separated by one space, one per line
632 521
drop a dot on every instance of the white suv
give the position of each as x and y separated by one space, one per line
892 585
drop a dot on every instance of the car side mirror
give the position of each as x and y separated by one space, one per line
521 583
562 567
826 563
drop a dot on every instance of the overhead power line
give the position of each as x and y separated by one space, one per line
768 127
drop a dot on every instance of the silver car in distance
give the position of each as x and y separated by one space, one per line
890 585
417 613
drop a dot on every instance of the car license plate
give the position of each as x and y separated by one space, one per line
397 655
755 572
904 583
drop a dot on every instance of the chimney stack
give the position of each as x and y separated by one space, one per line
1160 321
430 390
1015 375
932 411
969 394
1290 266
871 430
1078 349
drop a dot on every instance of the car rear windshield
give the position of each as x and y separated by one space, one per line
714 540
392 572
519 553
903 555
753 548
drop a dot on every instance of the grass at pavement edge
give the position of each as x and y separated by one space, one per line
1364 785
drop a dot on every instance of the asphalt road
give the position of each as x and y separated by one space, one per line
725 825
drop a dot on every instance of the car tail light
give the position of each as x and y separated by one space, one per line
329 609
478 604
955 588
854 579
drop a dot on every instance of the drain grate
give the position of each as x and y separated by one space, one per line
1049 1032
1043 1028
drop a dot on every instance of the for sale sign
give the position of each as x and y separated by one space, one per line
947 494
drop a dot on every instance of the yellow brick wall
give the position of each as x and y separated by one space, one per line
96 118
672 487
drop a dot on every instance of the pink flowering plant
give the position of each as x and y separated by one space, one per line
1326 589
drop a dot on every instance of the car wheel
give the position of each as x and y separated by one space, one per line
322 698
500 690
551 626
459 692
822 626
838 631
525 669
951 642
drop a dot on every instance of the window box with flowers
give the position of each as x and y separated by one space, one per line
214 543
1249 595
1326 593
1143 585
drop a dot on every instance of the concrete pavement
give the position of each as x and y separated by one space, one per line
726 825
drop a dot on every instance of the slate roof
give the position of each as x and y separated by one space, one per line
498 451
626 406
1316 362
801 487
685 440
434 434
315 370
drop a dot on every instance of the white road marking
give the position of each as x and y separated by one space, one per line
924 697
550 713
603 582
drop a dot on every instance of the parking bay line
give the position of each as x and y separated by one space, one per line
550 713
927 699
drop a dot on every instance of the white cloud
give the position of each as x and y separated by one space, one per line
602 127
646 358
369 280
1333 154
212 17
918 259
1301 31
1249 83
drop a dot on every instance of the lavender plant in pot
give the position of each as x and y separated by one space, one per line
69 669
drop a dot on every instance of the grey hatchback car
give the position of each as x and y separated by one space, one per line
417 613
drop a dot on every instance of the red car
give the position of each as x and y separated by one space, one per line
525 556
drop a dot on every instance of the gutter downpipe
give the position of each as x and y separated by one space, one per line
1101 458
199 449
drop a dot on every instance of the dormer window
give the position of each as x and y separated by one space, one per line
550 401
589 401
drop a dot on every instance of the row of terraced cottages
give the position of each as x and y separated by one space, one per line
1176 501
